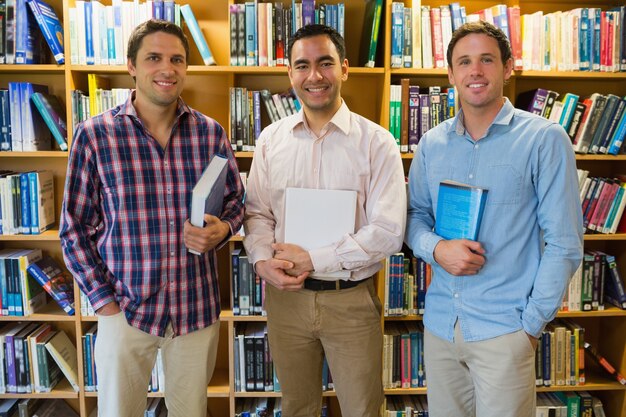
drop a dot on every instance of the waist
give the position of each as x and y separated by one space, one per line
313 284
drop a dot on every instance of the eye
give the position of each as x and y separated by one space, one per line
487 59
153 58
178 60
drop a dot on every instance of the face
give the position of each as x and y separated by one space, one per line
160 70
316 73
477 72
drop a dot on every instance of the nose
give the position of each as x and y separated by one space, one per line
315 74
476 68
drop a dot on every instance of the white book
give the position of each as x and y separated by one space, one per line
316 218
207 195
64 354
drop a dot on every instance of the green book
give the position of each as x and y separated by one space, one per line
369 37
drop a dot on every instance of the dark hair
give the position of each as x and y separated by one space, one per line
483 28
309 31
149 27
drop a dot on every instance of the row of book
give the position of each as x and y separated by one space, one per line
260 32
97 101
30 29
36 407
248 289
99 33
596 281
26 202
596 124
403 355
414 111
35 357
265 407
559 358
582 39
406 280
28 117
88 341
603 203
245 110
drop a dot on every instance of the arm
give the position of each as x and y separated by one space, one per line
560 218
385 211
81 216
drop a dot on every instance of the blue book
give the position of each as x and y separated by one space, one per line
252 55
584 36
58 283
460 210
595 49
569 104
397 36
53 115
89 44
110 30
41 201
5 120
157 8
169 9
15 113
197 35
308 12
25 203
50 27
618 137
35 135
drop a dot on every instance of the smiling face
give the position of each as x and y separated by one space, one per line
159 70
316 73
477 72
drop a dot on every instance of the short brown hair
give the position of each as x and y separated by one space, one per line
149 27
309 31
484 28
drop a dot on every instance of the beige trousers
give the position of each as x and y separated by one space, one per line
125 357
343 324
490 378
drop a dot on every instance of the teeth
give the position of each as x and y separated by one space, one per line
316 90
164 83
476 85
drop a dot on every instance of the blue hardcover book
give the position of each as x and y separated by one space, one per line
397 37
21 31
341 19
157 8
584 37
5 120
612 126
618 137
169 10
251 41
15 93
460 210
197 35
595 49
89 43
110 31
569 104
455 13
308 12
41 185
49 274
25 206
53 115
50 27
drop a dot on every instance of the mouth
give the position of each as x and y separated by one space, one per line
316 89
165 83
477 85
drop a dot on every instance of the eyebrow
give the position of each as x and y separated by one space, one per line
488 54
320 59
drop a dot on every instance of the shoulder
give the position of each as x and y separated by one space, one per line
201 120
280 129
374 132
536 128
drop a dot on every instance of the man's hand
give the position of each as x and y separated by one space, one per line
273 271
108 309
202 239
300 258
460 256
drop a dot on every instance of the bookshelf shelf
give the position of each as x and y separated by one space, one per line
603 237
32 69
37 154
227 316
48 235
62 390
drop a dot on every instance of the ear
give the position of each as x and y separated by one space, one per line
344 69
131 68
508 69
450 74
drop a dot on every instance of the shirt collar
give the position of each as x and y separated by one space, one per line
127 108
504 117
341 119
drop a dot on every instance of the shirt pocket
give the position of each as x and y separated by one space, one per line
504 183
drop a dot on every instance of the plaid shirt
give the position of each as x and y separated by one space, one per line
126 200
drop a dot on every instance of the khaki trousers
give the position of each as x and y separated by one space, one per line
343 324
490 378
125 357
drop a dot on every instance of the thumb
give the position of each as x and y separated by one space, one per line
208 218
475 247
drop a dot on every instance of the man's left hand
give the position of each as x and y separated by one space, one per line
294 254
202 239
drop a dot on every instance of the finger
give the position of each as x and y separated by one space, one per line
281 264
209 219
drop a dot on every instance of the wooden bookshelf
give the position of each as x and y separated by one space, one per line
366 92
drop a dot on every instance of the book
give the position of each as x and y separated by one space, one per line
371 27
460 210
207 195
49 274
64 354
50 27
196 34
601 360
53 115
315 218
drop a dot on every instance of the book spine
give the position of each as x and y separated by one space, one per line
197 35
25 204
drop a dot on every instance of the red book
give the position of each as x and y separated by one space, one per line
437 37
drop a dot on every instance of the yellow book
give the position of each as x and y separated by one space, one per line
96 82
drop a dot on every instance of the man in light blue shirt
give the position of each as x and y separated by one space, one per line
490 299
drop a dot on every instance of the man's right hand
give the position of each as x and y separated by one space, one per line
460 256
108 309
273 271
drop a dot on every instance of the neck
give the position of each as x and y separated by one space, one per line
477 120
317 119
155 117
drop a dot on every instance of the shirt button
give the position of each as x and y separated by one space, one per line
172 253
476 146
456 295
471 175
172 223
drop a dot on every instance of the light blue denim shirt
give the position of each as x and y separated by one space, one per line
531 228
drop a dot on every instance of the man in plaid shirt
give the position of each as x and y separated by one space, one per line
125 232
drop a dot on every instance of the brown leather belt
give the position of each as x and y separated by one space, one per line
320 285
